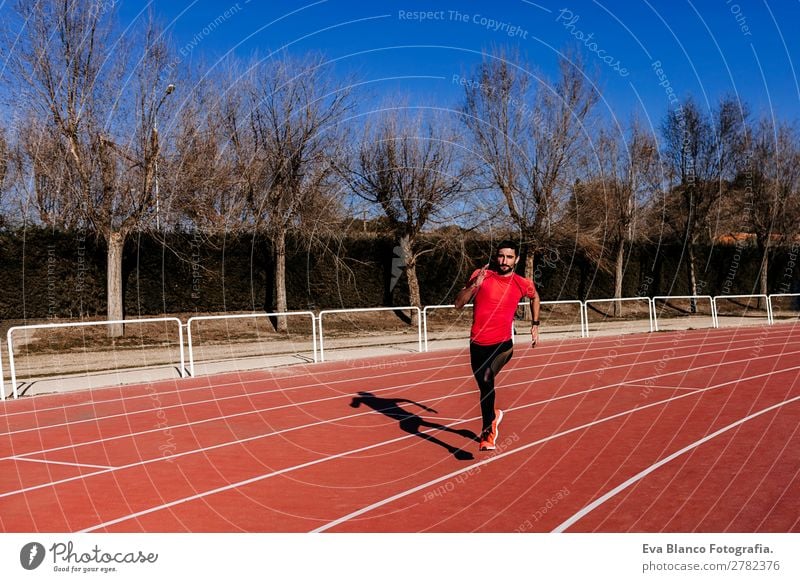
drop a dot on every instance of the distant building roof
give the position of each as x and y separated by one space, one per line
733 238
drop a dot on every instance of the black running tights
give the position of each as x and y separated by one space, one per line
487 361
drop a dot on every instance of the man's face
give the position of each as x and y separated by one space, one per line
506 261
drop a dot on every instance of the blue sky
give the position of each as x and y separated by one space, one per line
707 48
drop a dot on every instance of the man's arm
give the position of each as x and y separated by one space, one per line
467 293
535 306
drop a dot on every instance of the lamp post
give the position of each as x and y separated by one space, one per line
170 88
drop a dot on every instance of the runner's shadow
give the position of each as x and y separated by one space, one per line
411 423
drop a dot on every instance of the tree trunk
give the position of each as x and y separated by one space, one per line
692 277
407 252
764 271
657 275
116 243
280 280
583 271
618 277
269 278
530 272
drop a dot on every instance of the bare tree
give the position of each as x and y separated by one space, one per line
701 152
204 173
529 137
412 170
96 95
5 168
768 187
42 155
283 148
626 177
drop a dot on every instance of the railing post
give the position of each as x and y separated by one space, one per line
2 375
419 329
314 335
425 326
11 368
321 339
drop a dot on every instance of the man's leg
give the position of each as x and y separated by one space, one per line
486 362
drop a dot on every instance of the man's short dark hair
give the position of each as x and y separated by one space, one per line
508 244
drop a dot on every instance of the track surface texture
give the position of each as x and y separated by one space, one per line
692 431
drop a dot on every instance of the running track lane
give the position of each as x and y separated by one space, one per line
329 490
405 519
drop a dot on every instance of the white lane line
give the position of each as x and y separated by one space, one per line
494 458
267 375
60 463
273 433
414 370
347 381
326 421
418 488
635 384
249 481
437 399
642 474
585 349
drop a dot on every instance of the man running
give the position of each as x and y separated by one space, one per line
495 291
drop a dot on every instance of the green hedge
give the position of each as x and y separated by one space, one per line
48 273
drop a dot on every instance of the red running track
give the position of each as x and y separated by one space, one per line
693 431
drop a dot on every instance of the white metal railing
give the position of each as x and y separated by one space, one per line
365 310
714 322
2 375
770 306
756 296
9 337
245 316
621 299
432 307
584 320
425 319
422 324
521 304
581 310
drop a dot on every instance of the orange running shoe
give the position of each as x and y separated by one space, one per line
489 437
487 441
498 418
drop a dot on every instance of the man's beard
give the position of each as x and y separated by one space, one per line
505 268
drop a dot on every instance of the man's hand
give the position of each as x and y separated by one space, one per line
481 276
534 335
467 293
